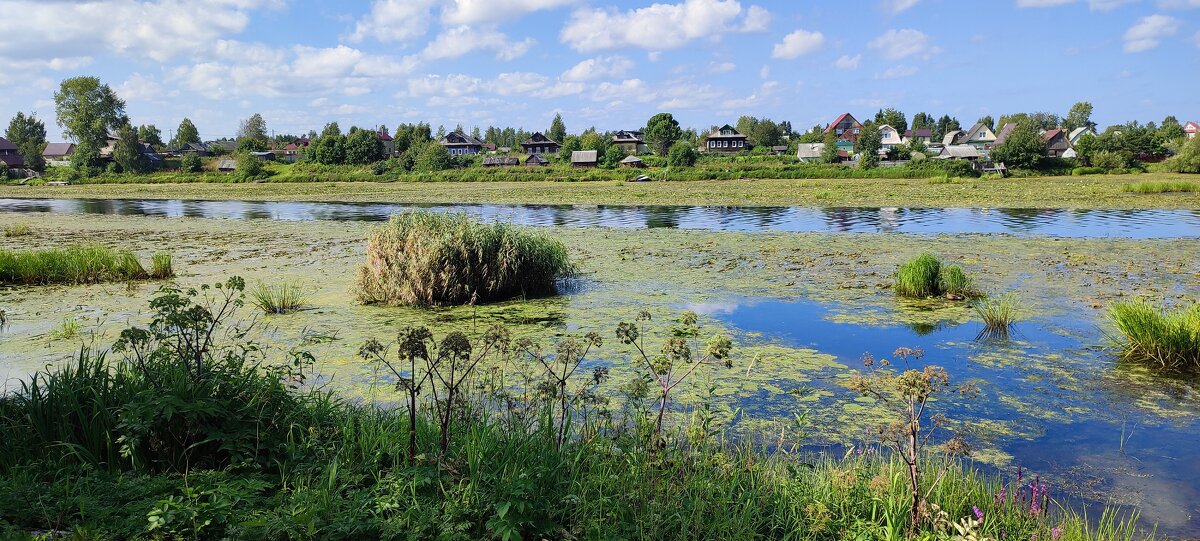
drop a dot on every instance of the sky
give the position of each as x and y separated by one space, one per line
609 64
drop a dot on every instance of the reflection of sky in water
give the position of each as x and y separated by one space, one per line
1059 222
1059 393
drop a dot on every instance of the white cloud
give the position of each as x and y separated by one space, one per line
139 87
764 71
897 72
460 40
508 84
764 91
686 95
798 43
897 6
1042 3
721 67
659 26
896 44
452 86
604 67
486 11
1094 5
630 89
1146 33
1107 5
1179 4
395 21
847 62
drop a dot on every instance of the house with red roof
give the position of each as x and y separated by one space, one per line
846 128
1190 129
291 152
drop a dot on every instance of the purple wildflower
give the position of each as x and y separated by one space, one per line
1056 533
978 513
1000 496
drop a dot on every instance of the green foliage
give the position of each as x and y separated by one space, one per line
431 259
1168 339
88 110
29 135
829 153
127 152
613 156
363 147
281 298
662 131
1188 158
868 145
329 149
186 133
569 145
1080 116
432 157
1108 159
558 130
1024 148
894 118
954 282
252 134
191 163
85 264
151 135
760 132
249 166
1161 187
682 155
67 329
926 276
162 266
999 313
1171 129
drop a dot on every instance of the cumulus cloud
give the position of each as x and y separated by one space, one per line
394 21
1094 5
847 62
798 43
721 67
1146 33
485 11
460 40
659 26
604 67
896 44
629 89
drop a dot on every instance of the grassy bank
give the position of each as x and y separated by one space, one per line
220 440
1087 192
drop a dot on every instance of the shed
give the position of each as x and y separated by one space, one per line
58 151
536 159
584 158
633 161
227 166
269 156
959 152
779 150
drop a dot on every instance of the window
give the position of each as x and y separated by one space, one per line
855 131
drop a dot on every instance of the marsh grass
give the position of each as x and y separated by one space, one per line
17 230
1150 334
1161 187
280 298
432 259
80 264
67 329
926 276
162 266
999 314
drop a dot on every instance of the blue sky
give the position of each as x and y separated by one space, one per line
609 64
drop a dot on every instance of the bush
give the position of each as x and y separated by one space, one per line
682 155
998 313
431 259
926 276
1188 158
17 230
433 157
190 163
1107 159
250 167
1168 339
87 264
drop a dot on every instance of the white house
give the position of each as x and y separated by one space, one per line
1078 133
889 137
1190 129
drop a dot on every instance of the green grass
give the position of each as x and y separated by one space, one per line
1168 339
80 264
17 230
1161 187
999 313
433 259
67 329
281 298
927 276
954 281
161 266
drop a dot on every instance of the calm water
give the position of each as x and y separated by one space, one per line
1062 397
1057 222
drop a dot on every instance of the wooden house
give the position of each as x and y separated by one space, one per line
959 152
1190 129
980 136
954 137
536 160
389 142
584 158
889 137
540 144
10 155
1057 143
460 144
630 142
727 139
500 161
923 135
633 162
845 127
1078 133
57 153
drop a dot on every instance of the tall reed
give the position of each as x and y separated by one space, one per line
1169 339
281 298
80 264
927 276
998 313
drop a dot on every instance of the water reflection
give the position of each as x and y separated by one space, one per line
1057 222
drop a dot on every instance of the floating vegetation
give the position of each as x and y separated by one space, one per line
82 264
431 259
1161 187
68 329
926 276
161 266
1150 334
281 298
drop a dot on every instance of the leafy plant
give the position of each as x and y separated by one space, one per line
67 329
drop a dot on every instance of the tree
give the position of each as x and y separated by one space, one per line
682 155
331 129
613 157
662 131
149 134
869 142
249 167
591 140
1080 116
988 121
558 130
922 121
433 157
329 149
252 134
829 153
87 110
945 124
893 118
127 152
187 133
1188 159
1169 130
760 132
571 144
814 135
363 147
1086 147
190 163
29 135
1024 148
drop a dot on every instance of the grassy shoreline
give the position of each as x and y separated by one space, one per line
1077 192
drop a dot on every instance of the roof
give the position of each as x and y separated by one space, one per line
227 164
501 160
971 133
809 150
1191 127
631 159
1005 131
5 144
538 139
1078 132
628 136
839 120
716 134
959 151
12 160
536 158
58 149
888 134
460 138
923 132
952 137
383 136
1051 134
584 156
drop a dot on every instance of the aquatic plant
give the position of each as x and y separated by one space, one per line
926 276
67 329
998 313
432 259
17 230
80 264
1152 187
281 298
161 266
1150 334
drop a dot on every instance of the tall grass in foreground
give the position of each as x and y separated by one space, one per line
926 276
81 264
281 298
1161 187
432 259
1167 338
999 314
17 230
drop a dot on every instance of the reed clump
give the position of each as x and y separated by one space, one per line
927 276
17 230
162 266
999 313
80 264
1169 339
432 259
281 298
1161 187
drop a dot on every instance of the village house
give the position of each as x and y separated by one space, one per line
1078 133
727 139
1057 143
810 152
292 151
1190 129
980 136
540 144
584 158
630 142
889 137
1005 131
924 135
954 137
389 142
846 128
459 144
959 152
58 153
536 160
10 155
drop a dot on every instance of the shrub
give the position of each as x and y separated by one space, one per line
1108 159
1080 171
1188 158
190 163
926 276
17 230
85 264
1169 339
682 155
282 298
430 259
250 167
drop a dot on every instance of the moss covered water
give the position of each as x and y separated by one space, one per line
802 307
